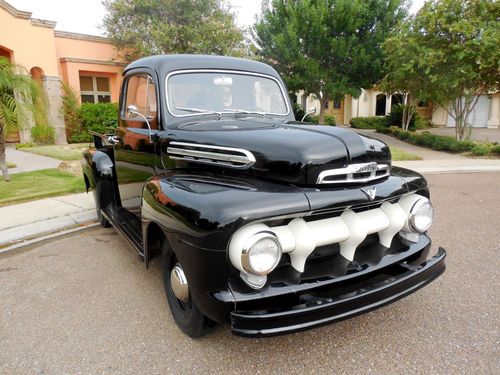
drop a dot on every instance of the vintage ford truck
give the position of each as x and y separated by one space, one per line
260 221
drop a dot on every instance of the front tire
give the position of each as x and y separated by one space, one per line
186 314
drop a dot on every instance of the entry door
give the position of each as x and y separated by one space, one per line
336 109
134 149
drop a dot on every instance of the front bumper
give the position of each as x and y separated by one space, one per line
325 305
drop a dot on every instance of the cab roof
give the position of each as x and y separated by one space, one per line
164 64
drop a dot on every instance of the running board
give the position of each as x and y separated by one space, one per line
128 226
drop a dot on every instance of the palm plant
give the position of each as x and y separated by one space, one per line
19 101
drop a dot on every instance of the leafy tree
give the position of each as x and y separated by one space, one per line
19 100
139 28
328 48
448 52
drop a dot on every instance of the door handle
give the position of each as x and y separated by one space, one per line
113 139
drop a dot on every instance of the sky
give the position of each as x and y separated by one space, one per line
85 16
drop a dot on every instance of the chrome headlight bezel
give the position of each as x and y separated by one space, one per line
246 253
416 210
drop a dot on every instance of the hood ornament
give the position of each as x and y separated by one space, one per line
370 192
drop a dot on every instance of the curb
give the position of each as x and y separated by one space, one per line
25 242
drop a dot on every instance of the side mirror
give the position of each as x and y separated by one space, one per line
132 110
311 111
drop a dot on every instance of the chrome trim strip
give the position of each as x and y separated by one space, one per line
240 72
351 170
246 160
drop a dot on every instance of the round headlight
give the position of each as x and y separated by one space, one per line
261 253
421 215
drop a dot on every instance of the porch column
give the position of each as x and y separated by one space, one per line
52 88
494 115
388 101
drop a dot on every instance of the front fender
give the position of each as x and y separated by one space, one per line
99 171
206 210
198 215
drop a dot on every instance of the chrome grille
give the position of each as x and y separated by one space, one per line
362 172
207 154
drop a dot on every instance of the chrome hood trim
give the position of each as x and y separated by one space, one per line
208 154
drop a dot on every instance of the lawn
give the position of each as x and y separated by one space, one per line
400 155
61 152
29 186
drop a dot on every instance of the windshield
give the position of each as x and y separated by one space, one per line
210 92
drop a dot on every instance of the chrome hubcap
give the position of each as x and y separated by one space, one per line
179 283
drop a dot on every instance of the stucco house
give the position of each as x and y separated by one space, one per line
373 102
87 63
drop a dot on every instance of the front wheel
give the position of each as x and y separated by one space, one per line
184 310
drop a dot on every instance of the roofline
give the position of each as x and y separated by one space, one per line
79 36
22 14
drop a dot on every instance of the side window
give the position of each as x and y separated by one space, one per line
141 93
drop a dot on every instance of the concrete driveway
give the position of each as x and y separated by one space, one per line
27 161
86 305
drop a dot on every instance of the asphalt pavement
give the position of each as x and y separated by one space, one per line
85 304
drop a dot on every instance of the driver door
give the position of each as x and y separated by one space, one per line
134 148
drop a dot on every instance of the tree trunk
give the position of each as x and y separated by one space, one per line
3 162
322 110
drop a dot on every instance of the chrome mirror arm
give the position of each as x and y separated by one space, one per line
133 110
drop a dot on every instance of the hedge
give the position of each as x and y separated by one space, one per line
372 122
442 143
100 117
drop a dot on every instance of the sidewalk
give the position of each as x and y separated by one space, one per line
32 220
27 162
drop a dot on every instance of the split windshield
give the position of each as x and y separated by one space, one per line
206 92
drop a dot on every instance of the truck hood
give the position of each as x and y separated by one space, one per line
285 151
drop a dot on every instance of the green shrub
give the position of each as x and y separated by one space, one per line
70 110
372 122
312 119
495 150
82 137
421 123
442 143
100 117
43 134
330 120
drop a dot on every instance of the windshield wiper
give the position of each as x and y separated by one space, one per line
236 110
197 110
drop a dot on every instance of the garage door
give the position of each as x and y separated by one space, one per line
479 116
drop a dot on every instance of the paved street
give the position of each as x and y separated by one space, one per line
86 305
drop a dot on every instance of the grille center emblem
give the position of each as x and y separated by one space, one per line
370 192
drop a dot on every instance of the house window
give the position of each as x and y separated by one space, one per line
327 104
423 104
95 89
337 104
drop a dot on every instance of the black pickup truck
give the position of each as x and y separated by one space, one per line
268 224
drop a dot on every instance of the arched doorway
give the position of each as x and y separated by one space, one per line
396 99
380 108
37 74
5 52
